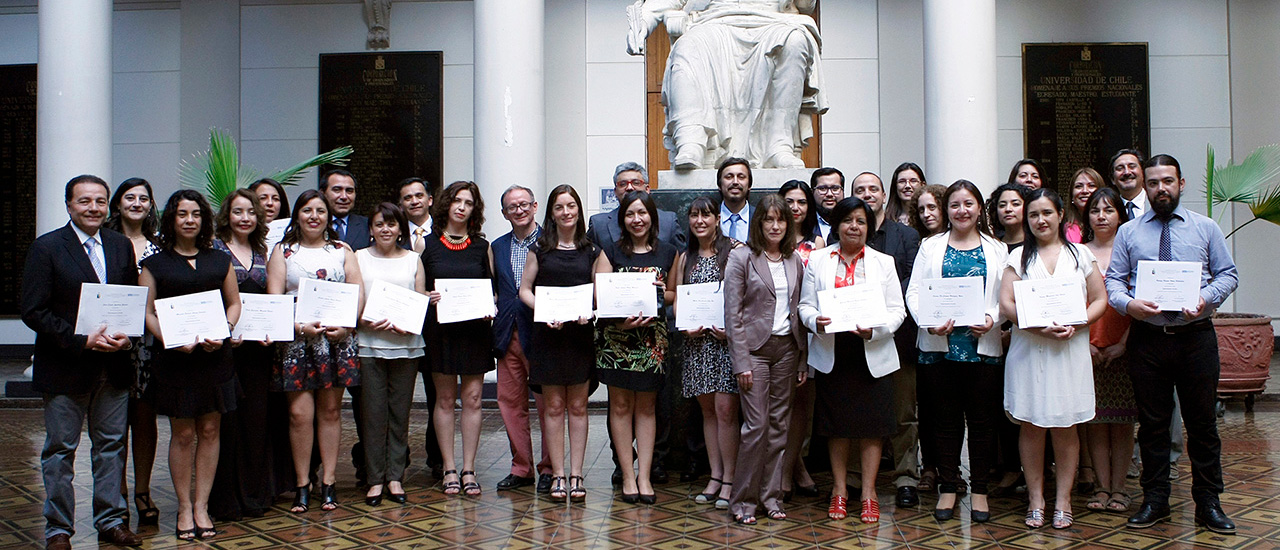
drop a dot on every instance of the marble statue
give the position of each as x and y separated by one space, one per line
377 14
742 79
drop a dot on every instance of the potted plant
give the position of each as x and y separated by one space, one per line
217 172
1245 340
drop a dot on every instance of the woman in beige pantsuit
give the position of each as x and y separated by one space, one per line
766 342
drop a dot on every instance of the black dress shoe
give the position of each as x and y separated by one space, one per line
60 541
375 500
908 496
398 498
1149 514
980 516
513 481
658 474
544 483
1212 517
120 535
944 514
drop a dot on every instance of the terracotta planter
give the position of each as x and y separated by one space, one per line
1245 344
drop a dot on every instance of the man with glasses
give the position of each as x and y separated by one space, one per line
828 189
512 330
629 176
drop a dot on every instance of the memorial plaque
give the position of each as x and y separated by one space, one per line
17 178
1082 103
389 108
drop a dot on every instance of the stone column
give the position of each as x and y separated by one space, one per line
510 114
960 137
73 101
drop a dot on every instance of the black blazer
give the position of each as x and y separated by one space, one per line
357 232
901 242
57 264
513 315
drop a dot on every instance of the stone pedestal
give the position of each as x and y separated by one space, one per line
761 178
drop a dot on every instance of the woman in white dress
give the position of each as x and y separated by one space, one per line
1049 372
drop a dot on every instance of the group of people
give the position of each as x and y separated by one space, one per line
771 385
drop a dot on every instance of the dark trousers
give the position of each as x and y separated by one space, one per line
963 395
435 458
357 450
1187 363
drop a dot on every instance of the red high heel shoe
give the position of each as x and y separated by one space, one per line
839 508
870 511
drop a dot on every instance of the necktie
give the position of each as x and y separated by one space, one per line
1166 254
419 243
733 227
1129 205
340 225
90 246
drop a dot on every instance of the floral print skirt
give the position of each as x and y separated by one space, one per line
316 363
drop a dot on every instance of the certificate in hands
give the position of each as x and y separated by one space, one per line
626 295
121 308
405 309
464 300
853 306
562 303
264 316
961 299
699 305
192 318
332 304
1044 302
1172 286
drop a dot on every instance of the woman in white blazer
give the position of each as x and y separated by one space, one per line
854 384
959 365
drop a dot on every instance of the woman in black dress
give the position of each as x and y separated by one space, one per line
631 352
458 351
245 484
562 353
196 383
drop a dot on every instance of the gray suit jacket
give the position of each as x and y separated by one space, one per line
603 229
749 299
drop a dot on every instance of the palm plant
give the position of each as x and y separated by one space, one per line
217 172
1254 183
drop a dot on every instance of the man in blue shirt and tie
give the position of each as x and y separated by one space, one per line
1174 351
734 180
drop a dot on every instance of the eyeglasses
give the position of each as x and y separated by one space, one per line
519 206
912 181
634 184
827 189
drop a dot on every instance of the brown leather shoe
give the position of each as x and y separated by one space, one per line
60 541
120 535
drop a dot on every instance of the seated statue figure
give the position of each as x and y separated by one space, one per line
742 79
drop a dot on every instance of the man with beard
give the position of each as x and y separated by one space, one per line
1174 351
1126 175
828 189
733 178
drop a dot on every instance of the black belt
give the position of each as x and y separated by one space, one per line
1203 324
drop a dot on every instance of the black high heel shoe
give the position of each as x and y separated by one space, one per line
328 497
301 500
398 498
375 500
148 514
185 535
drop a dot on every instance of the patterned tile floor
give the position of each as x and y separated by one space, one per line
521 519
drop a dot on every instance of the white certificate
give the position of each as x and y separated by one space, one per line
264 316
121 308
853 306
1044 302
192 318
332 304
961 299
626 295
464 300
405 308
562 303
699 305
1173 286
275 233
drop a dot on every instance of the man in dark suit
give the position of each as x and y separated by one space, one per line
902 243
80 375
339 188
603 230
